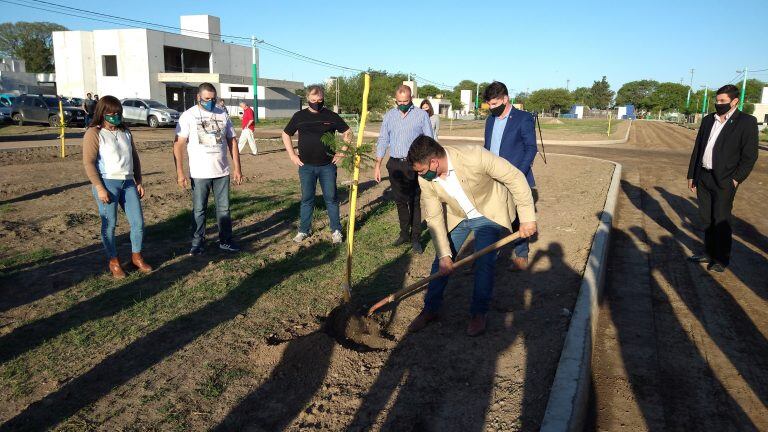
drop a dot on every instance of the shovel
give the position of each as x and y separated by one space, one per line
422 284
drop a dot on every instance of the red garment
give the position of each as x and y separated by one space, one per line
248 116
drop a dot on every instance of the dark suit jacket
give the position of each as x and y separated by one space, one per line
518 142
735 151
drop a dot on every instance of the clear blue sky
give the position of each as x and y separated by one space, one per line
524 44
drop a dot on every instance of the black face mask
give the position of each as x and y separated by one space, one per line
723 108
499 110
317 106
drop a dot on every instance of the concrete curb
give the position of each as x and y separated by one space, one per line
569 394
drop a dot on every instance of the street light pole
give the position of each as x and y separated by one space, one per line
477 98
255 75
690 89
743 90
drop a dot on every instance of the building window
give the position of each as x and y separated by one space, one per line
109 65
238 89
186 60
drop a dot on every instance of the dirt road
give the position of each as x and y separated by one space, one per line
680 348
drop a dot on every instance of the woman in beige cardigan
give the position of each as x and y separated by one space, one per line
112 165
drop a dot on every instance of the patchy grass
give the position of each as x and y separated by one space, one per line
583 126
9 264
218 379
147 313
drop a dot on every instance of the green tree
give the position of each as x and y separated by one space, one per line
31 42
668 96
601 94
522 97
550 100
582 95
754 90
428 90
637 93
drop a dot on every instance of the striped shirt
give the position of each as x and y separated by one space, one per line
398 132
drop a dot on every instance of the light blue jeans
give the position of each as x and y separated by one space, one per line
122 193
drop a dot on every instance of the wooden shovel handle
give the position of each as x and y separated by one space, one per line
422 283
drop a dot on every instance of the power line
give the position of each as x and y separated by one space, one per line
267 46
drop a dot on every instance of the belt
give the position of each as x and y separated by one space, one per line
403 159
706 169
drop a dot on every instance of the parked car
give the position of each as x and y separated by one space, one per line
149 112
5 110
6 99
44 109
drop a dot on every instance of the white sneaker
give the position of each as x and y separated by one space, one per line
336 237
300 237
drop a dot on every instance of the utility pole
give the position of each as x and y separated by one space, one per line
690 88
477 99
567 84
255 75
743 90
338 108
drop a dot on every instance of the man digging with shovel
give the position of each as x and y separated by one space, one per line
478 191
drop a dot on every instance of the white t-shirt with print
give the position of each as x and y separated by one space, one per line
207 133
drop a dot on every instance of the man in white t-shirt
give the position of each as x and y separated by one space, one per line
207 133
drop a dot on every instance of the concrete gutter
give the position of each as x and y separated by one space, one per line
546 142
569 394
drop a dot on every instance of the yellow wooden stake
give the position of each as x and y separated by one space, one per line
353 193
61 127
610 114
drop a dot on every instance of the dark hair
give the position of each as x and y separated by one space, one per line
495 90
423 149
430 111
731 90
206 87
88 94
316 88
106 104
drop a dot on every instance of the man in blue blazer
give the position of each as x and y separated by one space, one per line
510 134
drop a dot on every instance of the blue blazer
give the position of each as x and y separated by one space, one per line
518 142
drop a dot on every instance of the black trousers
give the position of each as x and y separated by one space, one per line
407 194
715 205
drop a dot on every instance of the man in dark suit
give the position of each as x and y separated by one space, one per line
723 157
510 134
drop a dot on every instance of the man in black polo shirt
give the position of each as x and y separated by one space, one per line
315 160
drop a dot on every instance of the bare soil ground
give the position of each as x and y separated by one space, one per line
680 348
237 343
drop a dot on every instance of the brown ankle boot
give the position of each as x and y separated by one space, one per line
115 269
138 261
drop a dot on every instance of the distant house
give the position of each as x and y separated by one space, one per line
167 67
14 79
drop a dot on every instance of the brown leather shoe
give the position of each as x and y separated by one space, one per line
138 261
422 321
519 264
476 325
115 269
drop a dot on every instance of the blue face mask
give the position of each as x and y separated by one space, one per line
208 105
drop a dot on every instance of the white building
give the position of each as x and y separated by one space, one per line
167 67
15 79
761 109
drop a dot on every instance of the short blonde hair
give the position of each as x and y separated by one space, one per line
403 89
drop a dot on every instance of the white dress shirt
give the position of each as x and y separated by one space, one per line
452 187
706 161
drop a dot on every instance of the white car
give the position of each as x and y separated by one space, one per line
149 112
